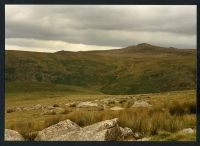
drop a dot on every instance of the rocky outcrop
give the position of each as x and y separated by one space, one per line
11 135
70 131
101 131
56 130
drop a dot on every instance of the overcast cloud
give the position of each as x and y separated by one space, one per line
48 28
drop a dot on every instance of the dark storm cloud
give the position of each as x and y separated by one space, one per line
104 25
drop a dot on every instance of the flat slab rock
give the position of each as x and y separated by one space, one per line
56 130
117 108
87 104
11 135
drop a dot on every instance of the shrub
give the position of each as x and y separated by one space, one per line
55 105
10 110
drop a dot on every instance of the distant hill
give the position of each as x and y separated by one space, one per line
143 68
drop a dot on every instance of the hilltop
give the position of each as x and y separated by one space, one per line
143 68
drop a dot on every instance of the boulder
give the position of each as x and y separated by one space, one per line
187 131
18 109
137 135
37 106
117 108
71 104
141 104
56 130
49 112
87 104
144 139
59 110
126 132
11 135
101 131
52 110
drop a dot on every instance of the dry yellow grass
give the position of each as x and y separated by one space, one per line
171 112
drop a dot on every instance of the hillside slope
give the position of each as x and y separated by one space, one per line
136 69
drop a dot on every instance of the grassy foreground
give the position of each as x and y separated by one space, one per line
170 112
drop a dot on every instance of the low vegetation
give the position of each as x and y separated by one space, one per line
171 112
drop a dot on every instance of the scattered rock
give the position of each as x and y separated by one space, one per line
38 106
122 101
48 107
10 110
59 110
187 131
144 139
71 104
141 104
11 135
49 112
117 108
87 104
137 135
126 132
56 130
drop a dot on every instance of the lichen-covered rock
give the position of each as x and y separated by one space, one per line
101 131
56 130
11 135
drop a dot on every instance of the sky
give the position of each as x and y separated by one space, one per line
51 28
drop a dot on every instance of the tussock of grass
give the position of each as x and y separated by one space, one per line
27 129
179 108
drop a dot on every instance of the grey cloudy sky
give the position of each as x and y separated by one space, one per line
50 28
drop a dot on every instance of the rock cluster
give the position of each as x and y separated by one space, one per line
69 131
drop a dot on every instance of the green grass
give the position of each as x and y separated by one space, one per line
132 70
24 93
